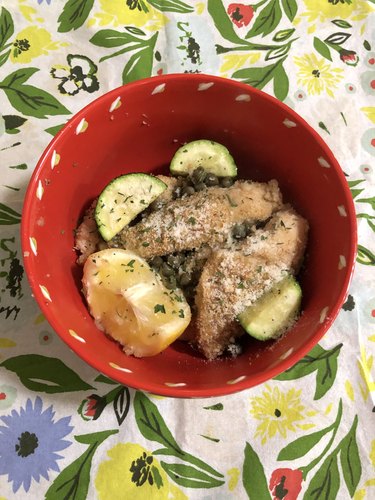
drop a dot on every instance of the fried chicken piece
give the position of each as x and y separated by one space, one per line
87 237
233 279
205 217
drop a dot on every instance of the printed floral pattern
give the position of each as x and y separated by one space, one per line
306 434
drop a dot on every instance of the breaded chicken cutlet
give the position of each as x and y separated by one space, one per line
235 278
205 217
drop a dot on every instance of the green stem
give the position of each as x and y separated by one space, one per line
333 46
112 394
335 426
6 47
257 5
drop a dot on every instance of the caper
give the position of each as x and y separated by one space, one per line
239 231
188 190
211 180
248 226
175 260
167 270
198 175
157 262
200 187
226 182
185 279
170 282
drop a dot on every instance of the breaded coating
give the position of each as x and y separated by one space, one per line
205 217
233 279
171 183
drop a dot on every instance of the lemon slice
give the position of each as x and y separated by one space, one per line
130 303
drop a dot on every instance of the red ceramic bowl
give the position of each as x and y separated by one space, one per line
137 128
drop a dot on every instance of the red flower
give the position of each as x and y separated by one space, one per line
92 407
349 57
240 14
285 484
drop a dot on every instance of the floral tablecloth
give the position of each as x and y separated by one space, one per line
309 433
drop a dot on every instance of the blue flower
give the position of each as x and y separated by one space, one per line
41 1
29 442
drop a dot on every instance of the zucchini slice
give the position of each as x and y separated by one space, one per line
212 156
123 199
271 315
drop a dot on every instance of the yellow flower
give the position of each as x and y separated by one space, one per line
277 411
372 453
32 42
317 74
133 472
325 10
117 13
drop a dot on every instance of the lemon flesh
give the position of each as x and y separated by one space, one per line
130 303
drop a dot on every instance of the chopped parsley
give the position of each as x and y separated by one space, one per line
159 308
181 313
192 220
231 202
145 244
131 263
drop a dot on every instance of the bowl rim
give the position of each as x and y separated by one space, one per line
186 392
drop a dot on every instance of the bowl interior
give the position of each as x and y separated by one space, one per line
138 127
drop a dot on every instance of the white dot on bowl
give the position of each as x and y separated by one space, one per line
323 162
33 246
76 336
120 368
175 384
115 105
243 98
287 353
289 124
55 158
82 126
45 292
323 314
236 380
205 86
39 190
342 262
158 89
342 211
26 254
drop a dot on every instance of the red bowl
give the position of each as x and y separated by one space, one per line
137 128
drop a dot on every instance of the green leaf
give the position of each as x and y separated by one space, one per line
350 459
73 482
253 477
320 360
322 48
222 21
290 8
45 374
6 27
121 404
283 35
105 380
171 6
74 14
326 482
217 406
4 57
371 201
257 77
33 101
280 83
140 63
278 52
191 459
190 477
13 121
356 192
21 166
267 20
338 38
301 446
8 216
341 23
135 31
365 256
151 423
112 38
18 77
53 130
366 45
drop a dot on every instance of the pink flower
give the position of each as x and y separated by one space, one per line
240 14
285 484
349 57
